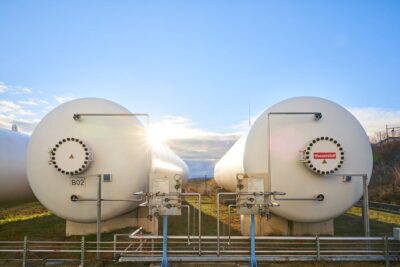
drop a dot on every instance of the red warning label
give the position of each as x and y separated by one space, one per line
324 155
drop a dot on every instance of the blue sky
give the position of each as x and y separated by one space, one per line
197 65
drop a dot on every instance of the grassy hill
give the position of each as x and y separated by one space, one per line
385 182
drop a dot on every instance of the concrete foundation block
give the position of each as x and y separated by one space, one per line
263 227
312 229
278 226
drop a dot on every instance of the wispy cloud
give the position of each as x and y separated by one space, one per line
3 87
33 102
62 99
23 89
374 120
12 113
15 89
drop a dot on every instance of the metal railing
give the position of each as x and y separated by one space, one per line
148 248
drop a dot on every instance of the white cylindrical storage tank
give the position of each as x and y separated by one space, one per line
63 148
14 185
303 155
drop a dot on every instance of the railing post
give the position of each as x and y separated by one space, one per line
25 253
82 251
115 247
318 248
386 248
199 195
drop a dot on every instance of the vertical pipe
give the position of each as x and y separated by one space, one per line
83 251
386 247
164 261
199 195
365 209
115 247
229 222
188 222
98 232
218 251
253 260
188 219
24 254
194 226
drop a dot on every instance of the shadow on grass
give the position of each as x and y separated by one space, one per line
352 225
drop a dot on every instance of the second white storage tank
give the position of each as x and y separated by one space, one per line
306 146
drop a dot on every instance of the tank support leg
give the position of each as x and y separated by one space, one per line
253 260
164 261
365 207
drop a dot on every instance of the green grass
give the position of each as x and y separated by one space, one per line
381 223
34 221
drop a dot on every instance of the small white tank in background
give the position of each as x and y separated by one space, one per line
304 155
14 185
117 147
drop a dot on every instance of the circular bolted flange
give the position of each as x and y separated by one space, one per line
324 155
71 156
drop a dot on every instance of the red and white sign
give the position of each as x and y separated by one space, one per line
324 155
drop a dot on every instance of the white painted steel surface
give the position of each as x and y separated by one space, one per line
119 145
290 134
14 185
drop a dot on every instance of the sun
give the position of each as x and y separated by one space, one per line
156 136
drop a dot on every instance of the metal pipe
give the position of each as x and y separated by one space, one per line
229 222
83 251
218 249
105 199
188 221
199 196
164 261
199 214
224 203
77 116
365 212
236 194
136 232
25 252
317 116
98 230
115 246
253 261
386 248
299 198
